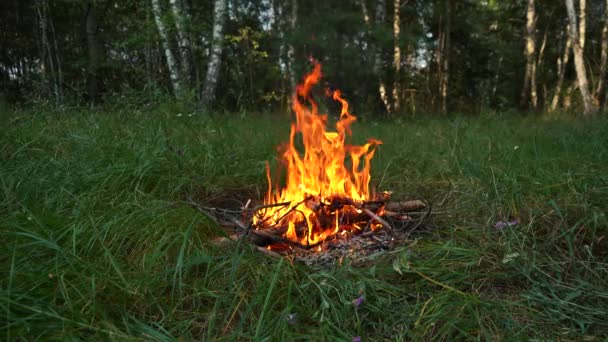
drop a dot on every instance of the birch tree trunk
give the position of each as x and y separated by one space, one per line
174 73
445 67
579 61
530 53
541 53
582 22
49 57
183 41
396 55
45 64
366 18
291 51
379 20
278 9
600 92
56 55
215 58
439 58
94 53
562 63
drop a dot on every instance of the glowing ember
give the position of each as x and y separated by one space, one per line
327 183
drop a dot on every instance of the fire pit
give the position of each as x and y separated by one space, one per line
325 211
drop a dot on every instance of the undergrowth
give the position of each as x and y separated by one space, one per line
97 243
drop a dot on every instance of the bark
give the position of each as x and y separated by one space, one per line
47 62
56 55
562 63
49 56
215 58
579 61
496 78
396 55
183 41
148 55
94 51
377 64
567 103
445 72
439 58
291 51
379 20
600 92
582 22
174 73
278 9
366 18
530 53
541 52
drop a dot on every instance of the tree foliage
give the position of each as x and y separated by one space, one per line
45 55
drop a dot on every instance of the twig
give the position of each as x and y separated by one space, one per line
207 213
260 207
371 214
264 238
422 219
268 252
383 222
292 208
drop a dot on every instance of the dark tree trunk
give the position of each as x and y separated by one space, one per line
95 53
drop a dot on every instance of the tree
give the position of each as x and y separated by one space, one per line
396 55
95 52
600 92
291 52
379 20
579 60
183 41
530 53
377 59
215 57
174 73
562 63
445 58
51 63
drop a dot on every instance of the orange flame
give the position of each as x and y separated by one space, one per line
322 173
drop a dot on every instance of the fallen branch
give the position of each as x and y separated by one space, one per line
380 220
268 252
266 237
207 212
265 206
405 206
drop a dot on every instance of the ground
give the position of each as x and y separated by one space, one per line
98 243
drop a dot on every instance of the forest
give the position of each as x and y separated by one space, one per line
393 58
282 170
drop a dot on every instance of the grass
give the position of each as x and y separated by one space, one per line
97 245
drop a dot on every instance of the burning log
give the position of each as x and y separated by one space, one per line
269 237
340 213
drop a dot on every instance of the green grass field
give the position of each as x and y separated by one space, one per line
97 244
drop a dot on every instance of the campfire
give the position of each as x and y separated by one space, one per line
325 203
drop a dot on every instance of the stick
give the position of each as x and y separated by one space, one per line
268 252
372 215
264 238
260 207
405 205
207 213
